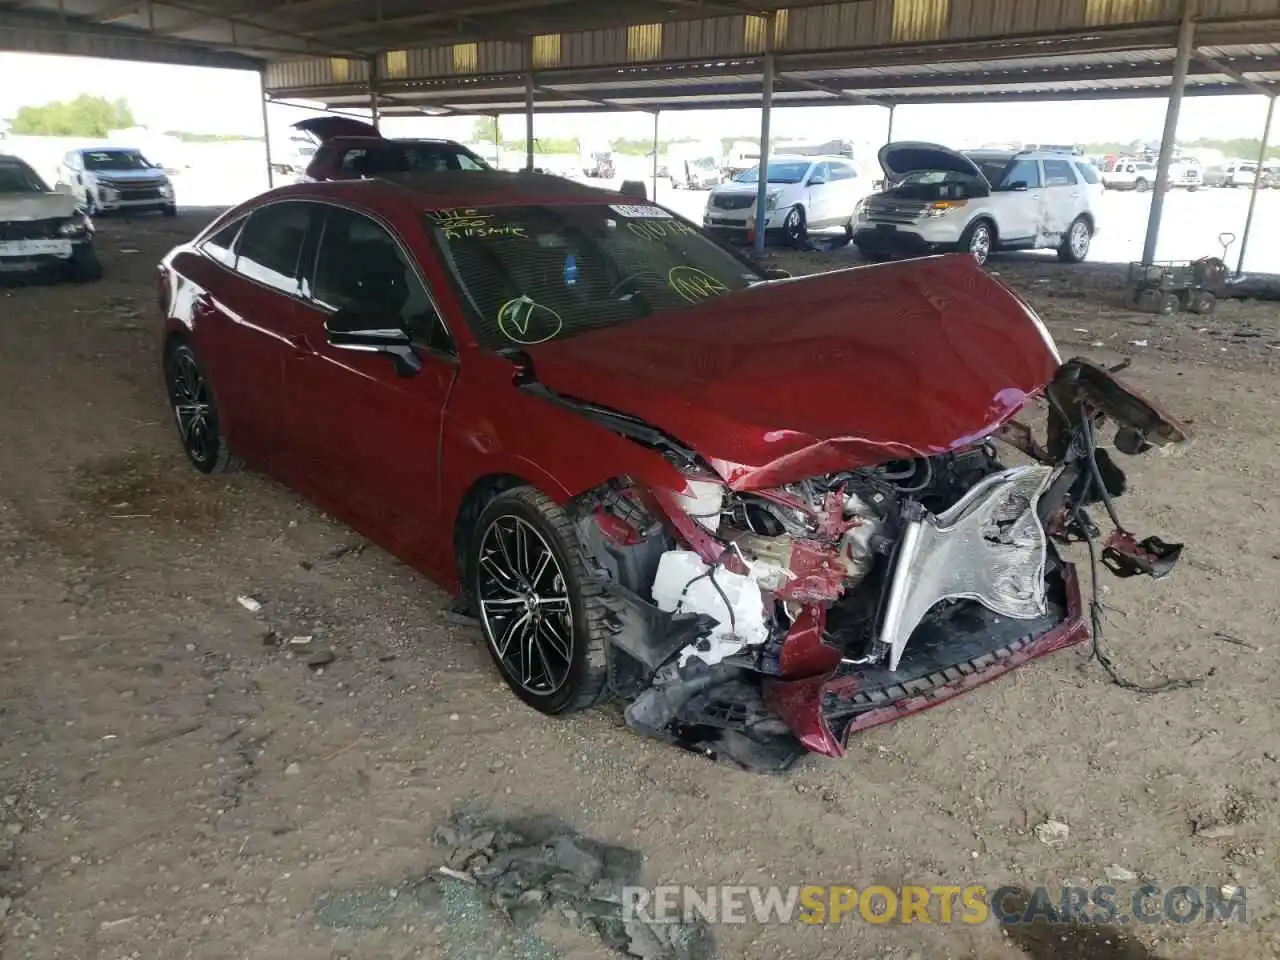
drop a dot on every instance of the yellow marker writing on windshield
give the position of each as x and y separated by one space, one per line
693 284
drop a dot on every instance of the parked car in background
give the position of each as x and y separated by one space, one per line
43 232
742 156
597 160
1233 174
692 166
1186 174
765 513
116 180
804 194
350 149
1129 173
1271 176
979 201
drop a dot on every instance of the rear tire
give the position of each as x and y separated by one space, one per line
529 608
196 414
1075 244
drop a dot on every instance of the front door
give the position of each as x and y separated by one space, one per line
819 212
1020 197
370 436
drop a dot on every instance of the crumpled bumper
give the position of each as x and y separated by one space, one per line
949 654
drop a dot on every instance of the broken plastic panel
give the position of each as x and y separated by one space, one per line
989 547
684 584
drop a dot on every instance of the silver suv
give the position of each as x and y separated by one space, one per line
108 179
979 201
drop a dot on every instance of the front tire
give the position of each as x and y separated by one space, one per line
978 240
542 616
1075 245
195 413
84 266
1142 186
170 210
795 227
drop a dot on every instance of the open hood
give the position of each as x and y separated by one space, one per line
326 128
794 379
899 159
20 207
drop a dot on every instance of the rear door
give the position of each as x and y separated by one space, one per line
846 190
1064 198
370 437
242 317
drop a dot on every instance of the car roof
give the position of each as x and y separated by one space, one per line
448 189
354 139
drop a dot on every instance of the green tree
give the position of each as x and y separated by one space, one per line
485 130
85 116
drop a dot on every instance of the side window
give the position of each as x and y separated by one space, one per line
361 267
221 246
1058 173
353 162
270 245
465 162
842 171
1025 171
821 173
1087 173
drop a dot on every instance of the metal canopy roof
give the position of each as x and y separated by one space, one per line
472 56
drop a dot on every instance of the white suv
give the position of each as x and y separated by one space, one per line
804 193
980 201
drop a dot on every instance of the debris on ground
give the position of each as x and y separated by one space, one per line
1054 833
321 658
1118 874
458 615
249 603
530 869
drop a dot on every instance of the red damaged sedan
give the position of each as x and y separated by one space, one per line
765 512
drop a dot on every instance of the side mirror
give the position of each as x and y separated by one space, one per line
1018 185
817 181
61 187
373 331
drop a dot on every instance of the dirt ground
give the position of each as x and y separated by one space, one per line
176 786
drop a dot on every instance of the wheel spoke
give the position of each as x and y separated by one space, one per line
535 578
562 649
509 631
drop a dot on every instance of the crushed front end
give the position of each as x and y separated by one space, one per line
756 623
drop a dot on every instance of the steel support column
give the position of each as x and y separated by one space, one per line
1257 180
766 107
528 121
654 196
1186 40
888 138
374 110
266 131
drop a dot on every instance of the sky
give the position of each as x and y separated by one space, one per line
203 100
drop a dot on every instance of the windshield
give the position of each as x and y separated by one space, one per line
537 273
17 177
115 160
780 172
704 163
783 171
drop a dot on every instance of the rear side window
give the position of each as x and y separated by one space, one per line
270 246
360 266
221 246
1087 173
374 161
1058 173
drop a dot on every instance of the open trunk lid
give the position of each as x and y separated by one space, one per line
326 128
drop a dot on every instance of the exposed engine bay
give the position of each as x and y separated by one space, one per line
754 625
